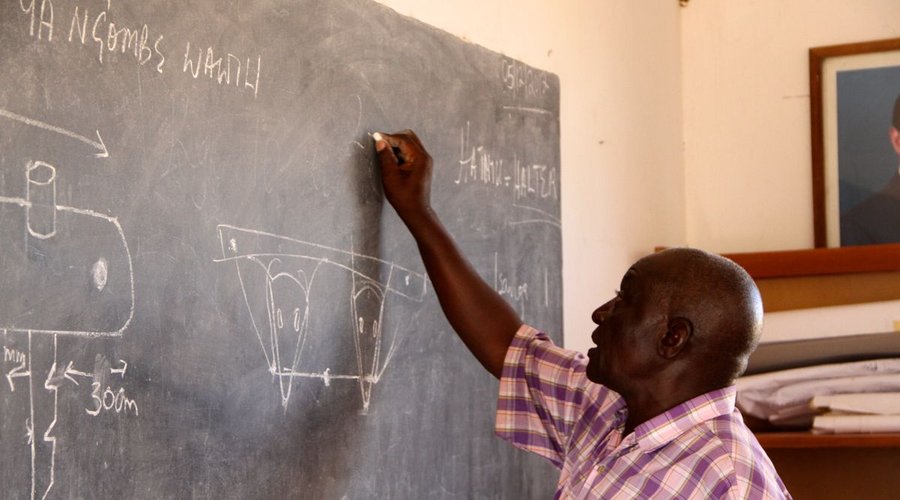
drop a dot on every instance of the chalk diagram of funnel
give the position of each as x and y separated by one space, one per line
285 270
65 271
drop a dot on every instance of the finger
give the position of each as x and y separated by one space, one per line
380 140
384 150
404 149
407 147
393 140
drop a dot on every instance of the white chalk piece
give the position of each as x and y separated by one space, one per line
377 137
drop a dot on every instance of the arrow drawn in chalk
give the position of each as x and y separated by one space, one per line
98 144
16 373
71 371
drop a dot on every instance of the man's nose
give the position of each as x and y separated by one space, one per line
602 312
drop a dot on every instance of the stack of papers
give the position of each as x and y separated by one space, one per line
861 412
860 396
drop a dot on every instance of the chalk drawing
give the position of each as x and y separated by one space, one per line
44 251
287 312
102 151
41 217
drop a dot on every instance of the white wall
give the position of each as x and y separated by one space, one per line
622 173
746 114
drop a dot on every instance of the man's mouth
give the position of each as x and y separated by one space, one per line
595 337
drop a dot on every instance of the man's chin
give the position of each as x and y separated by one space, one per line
592 372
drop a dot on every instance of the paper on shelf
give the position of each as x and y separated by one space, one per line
878 403
836 424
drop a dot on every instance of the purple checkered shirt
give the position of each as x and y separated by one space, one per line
698 449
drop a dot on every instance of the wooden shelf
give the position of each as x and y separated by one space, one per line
820 261
824 277
783 440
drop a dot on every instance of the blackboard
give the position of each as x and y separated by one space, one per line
202 291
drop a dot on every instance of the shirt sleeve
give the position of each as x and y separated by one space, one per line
542 388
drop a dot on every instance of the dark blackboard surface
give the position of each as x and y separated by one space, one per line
202 292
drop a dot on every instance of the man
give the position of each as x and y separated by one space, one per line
650 411
877 218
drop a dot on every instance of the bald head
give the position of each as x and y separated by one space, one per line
719 300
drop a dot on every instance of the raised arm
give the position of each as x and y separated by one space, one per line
480 316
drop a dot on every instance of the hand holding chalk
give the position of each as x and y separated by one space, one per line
405 172
381 142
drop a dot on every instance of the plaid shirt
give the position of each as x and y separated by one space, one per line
698 449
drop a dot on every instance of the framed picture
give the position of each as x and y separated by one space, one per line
855 117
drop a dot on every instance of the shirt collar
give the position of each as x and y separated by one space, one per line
670 424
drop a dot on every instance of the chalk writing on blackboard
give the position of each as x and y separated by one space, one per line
527 180
283 327
98 30
523 81
534 186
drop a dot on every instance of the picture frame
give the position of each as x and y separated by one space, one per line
853 88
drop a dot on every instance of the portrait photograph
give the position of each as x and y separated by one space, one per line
860 150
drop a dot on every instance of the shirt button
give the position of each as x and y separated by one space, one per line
601 468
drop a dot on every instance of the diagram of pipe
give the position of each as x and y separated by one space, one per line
66 272
277 275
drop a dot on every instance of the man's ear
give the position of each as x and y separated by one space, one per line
675 338
895 139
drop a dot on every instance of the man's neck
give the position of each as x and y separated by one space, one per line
642 407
